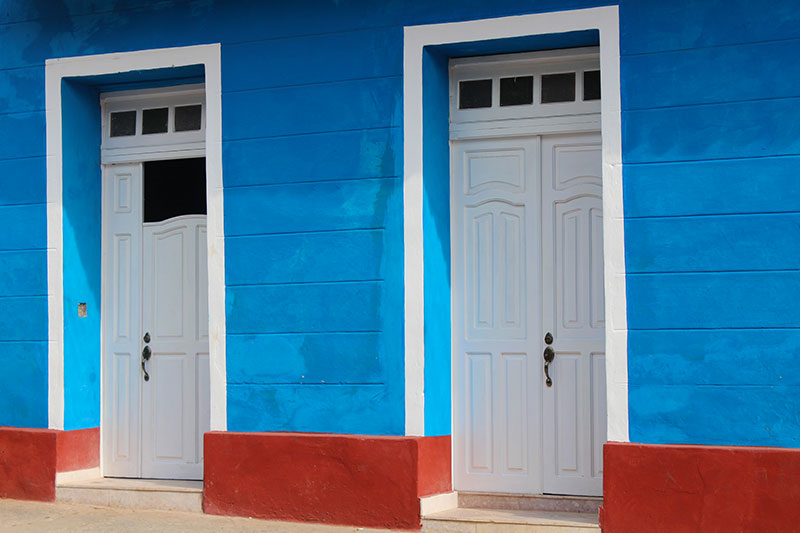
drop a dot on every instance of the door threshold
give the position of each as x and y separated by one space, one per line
160 494
510 502
140 484
502 520
530 502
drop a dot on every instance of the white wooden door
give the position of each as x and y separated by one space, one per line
495 243
526 241
155 286
175 316
573 311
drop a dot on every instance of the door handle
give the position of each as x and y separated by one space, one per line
549 354
146 354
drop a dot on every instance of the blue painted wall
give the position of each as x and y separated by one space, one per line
312 163
710 137
82 200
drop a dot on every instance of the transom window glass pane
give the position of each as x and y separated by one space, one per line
475 94
155 120
123 124
591 85
188 117
173 188
558 88
516 91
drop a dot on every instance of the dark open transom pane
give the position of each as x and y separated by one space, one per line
123 124
591 85
188 117
558 88
173 188
516 91
155 120
475 94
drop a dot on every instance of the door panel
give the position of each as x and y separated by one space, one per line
574 427
481 420
170 399
515 414
121 342
494 241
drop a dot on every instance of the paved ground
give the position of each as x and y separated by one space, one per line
39 517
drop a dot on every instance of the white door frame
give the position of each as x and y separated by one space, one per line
606 21
57 69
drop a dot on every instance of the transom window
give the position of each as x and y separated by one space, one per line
534 85
153 121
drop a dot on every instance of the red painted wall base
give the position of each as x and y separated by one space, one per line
78 449
339 479
30 458
680 488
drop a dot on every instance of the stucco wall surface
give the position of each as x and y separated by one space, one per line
312 167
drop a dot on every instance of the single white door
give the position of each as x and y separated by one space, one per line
573 312
156 405
496 322
527 260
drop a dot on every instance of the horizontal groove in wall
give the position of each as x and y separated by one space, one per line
362 29
145 6
264 334
310 182
24 204
712 215
245 235
715 272
307 133
684 386
707 104
23 250
20 250
34 110
311 84
307 384
710 160
706 272
290 283
23 67
706 47
331 132
345 230
754 329
42 156
40 295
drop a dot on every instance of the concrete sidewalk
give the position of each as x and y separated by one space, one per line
18 515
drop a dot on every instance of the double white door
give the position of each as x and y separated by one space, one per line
527 265
155 348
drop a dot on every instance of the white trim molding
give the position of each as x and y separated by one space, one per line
606 21
55 70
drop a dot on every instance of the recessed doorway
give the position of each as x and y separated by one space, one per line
156 394
528 325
